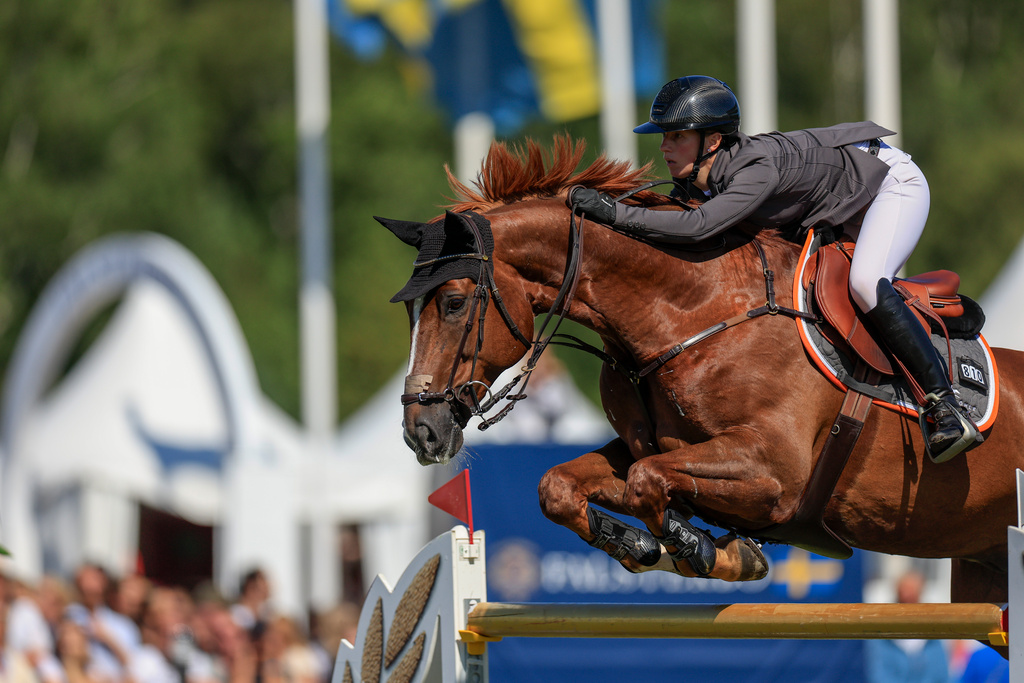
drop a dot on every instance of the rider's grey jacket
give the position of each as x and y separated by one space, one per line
801 180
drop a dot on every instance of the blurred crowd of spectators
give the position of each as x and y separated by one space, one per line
101 630
131 630
930 661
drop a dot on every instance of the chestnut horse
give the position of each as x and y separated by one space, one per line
729 429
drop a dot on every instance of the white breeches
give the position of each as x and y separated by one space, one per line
891 227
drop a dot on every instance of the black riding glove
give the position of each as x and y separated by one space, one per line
597 206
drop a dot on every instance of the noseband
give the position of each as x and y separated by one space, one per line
487 289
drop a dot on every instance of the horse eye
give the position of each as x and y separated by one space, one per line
455 305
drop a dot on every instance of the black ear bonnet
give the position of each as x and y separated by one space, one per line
446 250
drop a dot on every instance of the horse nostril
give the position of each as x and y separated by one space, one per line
424 434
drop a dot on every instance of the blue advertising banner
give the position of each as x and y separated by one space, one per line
530 559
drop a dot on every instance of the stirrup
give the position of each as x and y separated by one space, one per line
968 431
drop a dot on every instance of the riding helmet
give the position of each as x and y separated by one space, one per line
693 103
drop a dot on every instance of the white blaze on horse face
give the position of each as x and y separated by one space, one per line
417 308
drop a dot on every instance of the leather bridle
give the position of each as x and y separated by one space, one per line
485 290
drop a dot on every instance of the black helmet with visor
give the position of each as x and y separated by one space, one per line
698 103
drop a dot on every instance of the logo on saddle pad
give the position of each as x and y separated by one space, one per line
972 373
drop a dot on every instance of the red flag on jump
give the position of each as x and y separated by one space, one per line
454 498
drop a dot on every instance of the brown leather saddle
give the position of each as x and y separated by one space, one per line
931 296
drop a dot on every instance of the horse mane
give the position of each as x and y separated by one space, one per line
512 174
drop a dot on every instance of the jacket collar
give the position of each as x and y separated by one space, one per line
716 178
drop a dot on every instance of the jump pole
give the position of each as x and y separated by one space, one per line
748 621
434 625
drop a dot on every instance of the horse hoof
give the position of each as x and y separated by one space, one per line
752 562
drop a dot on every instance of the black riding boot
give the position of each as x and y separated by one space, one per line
908 341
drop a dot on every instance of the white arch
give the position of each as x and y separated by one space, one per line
253 532
98 276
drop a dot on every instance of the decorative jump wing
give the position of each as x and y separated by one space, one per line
402 632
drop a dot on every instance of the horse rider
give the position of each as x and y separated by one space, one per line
836 178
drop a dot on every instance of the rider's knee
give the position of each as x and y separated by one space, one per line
863 283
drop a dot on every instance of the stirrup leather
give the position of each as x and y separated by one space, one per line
969 432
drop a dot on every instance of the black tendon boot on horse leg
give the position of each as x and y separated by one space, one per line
908 341
693 545
639 544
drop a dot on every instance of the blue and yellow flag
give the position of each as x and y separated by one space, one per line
510 59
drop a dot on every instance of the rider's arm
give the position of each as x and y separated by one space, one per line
746 191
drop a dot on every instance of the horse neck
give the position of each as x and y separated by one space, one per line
635 296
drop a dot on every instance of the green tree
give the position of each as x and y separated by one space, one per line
178 116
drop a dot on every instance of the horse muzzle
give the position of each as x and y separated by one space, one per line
433 421
433 432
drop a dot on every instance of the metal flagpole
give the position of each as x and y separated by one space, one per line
882 65
755 47
473 135
618 90
316 298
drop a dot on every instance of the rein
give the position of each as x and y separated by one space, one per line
770 308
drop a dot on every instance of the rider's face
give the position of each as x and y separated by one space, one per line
679 149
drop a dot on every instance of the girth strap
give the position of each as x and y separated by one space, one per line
807 528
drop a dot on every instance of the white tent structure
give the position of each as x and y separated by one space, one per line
1001 302
164 410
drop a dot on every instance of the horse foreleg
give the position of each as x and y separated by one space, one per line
687 476
569 492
